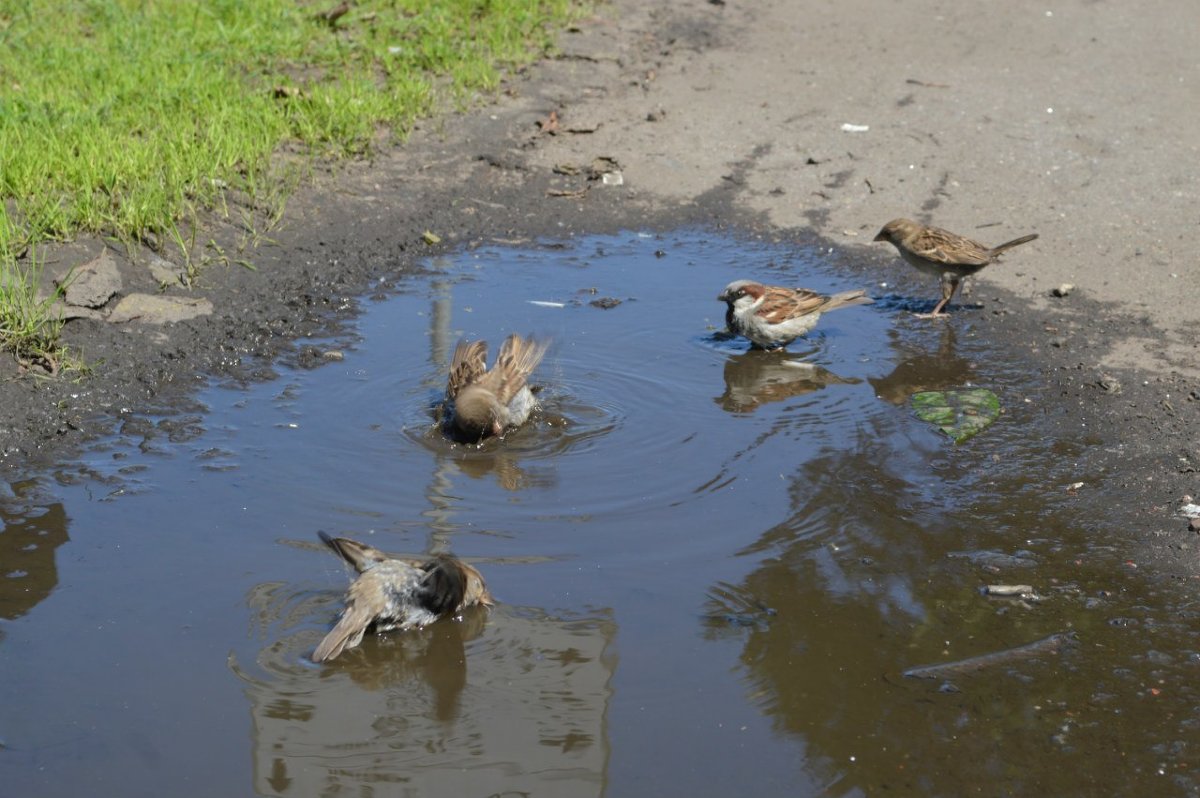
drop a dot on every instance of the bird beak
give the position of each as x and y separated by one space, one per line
880 236
721 297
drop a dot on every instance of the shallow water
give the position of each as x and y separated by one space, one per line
714 566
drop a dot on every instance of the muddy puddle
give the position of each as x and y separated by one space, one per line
714 567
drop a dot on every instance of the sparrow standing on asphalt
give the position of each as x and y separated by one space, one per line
942 254
772 316
393 593
479 402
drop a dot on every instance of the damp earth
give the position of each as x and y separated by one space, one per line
719 571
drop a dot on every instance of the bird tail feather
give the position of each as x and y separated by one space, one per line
846 299
1016 242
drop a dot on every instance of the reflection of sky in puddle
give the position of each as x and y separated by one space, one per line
706 557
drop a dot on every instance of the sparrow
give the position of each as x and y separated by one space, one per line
397 593
942 254
772 316
479 402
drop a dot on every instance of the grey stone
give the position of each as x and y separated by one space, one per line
163 271
64 312
152 309
92 284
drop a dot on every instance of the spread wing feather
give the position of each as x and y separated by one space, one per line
517 359
468 365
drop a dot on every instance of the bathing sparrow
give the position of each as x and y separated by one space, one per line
396 593
773 316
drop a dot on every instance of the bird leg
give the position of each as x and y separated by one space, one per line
948 288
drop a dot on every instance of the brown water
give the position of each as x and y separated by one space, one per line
713 566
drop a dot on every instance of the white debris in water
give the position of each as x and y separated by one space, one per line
543 304
849 128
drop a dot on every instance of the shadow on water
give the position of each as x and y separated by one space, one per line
715 566
35 525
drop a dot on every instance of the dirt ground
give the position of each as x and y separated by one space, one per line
1074 119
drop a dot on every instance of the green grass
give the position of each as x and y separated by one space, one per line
27 328
122 117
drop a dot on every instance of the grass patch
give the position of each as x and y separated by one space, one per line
27 328
121 116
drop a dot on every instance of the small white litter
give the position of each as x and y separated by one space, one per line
849 128
543 304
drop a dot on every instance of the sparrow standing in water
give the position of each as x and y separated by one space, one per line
772 316
393 593
479 402
942 254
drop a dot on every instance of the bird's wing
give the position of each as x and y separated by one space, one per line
517 359
941 246
782 304
348 633
468 365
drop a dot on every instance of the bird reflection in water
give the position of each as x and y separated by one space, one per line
758 377
925 371
505 464
434 656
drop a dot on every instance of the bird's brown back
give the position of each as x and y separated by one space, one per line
781 304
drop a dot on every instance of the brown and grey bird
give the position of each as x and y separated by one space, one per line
773 316
397 593
480 402
942 254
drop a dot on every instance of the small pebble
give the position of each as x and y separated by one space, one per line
1062 290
